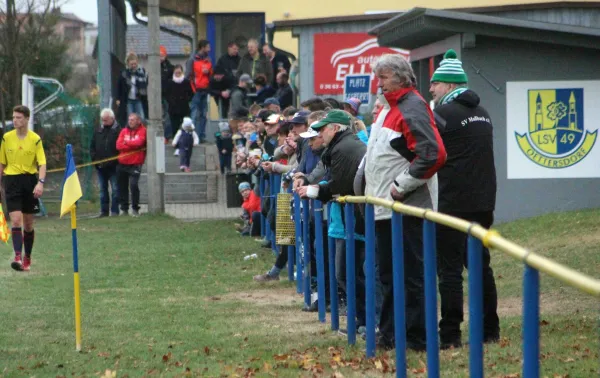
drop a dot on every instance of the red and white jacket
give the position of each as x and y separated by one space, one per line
405 150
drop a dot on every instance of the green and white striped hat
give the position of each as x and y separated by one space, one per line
450 70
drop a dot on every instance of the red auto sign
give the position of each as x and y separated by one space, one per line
340 54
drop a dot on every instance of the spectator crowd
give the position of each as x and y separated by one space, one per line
440 159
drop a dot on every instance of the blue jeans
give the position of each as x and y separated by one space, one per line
166 120
135 106
199 110
108 175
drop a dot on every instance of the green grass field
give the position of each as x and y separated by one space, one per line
167 298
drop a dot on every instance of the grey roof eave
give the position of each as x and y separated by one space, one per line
422 26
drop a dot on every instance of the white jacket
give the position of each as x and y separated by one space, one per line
405 150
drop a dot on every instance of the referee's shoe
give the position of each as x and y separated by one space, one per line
17 264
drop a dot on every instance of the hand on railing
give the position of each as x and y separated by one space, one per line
396 196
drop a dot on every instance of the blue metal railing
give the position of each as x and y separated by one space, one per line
477 238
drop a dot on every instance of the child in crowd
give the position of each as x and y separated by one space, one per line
184 142
251 214
224 141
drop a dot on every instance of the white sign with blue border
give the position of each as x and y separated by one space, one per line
358 86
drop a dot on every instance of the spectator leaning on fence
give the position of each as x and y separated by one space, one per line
23 170
104 146
404 153
467 190
132 154
342 157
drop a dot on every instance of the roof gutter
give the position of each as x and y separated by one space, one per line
135 8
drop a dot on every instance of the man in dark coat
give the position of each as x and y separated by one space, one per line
467 190
104 146
284 93
343 155
279 62
224 78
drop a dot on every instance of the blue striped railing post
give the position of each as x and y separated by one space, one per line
531 323
474 251
350 274
370 277
261 187
318 206
299 241
431 326
306 243
276 188
398 280
269 194
291 251
333 288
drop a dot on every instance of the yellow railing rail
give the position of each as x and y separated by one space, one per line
490 239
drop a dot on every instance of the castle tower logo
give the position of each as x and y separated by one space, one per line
557 137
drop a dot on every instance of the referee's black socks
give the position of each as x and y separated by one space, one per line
17 239
28 237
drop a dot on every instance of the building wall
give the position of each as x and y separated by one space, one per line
289 10
505 60
73 31
306 56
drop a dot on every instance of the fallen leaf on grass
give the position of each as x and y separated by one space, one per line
544 322
109 374
166 357
206 350
281 357
103 354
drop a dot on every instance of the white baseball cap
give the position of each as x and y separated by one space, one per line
310 133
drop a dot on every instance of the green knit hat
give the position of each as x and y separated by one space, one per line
450 70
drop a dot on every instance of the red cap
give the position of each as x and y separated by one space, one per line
163 50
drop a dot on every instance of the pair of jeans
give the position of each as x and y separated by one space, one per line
225 162
340 275
413 280
106 176
136 106
168 128
199 110
128 177
451 257
185 156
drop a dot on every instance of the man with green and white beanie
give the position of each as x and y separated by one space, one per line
449 80
467 190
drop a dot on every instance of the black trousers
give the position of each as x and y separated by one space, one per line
128 177
176 121
255 229
452 256
413 280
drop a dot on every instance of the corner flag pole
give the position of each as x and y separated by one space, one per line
71 192
76 279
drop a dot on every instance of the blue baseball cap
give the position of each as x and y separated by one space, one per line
271 101
300 118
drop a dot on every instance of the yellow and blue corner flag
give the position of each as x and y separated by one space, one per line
71 187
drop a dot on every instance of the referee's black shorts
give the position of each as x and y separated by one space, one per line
19 193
